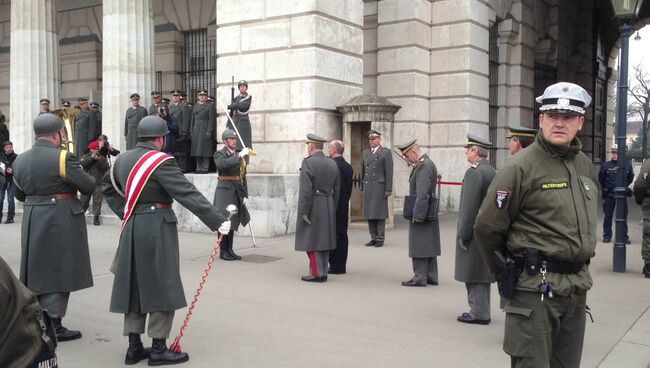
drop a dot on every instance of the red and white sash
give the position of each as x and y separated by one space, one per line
138 177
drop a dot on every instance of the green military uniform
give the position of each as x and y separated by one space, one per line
240 108
470 266
131 119
85 130
96 168
376 185
181 146
545 198
55 259
202 128
642 197
318 196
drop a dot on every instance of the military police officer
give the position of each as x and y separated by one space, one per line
541 212
55 259
133 115
145 284
377 186
470 267
519 138
607 180
202 128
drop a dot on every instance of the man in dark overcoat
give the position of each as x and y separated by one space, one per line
202 129
424 234
55 260
85 127
133 115
177 111
240 108
377 186
339 256
318 197
231 189
147 278
470 266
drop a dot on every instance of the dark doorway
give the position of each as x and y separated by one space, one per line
358 143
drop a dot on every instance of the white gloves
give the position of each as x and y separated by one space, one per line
224 229
244 152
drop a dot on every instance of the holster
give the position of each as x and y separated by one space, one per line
508 276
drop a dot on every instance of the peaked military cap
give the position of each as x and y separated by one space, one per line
404 148
134 96
565 98
83 99
152 126
515 130
242 83
46 124
373 134
94 104
202 92
473 140
66 104
614 147
210 98
183 95
165 100
228 133
175 92
313 138
155 94
45 100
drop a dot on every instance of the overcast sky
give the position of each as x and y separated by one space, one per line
640 50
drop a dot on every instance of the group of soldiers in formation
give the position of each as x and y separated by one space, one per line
531 225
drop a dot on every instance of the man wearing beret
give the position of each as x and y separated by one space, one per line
132 118
45 107
377 186
96 165
55 260
202 128
86 127
539 220
318 196
519 138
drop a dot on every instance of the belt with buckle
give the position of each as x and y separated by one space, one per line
231 178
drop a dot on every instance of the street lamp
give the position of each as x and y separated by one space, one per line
625 11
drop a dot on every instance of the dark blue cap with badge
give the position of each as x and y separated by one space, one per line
564 98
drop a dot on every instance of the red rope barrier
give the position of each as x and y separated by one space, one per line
176 346
449 183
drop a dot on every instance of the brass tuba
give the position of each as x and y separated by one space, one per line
68 115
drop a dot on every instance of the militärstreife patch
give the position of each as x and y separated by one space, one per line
560 185
502 198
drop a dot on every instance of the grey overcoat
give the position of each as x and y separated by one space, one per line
202 128
424 237
377 175
131 120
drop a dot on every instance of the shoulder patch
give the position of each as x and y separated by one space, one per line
502 198
555 185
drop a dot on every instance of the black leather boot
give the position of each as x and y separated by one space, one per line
224 254
136 351
231 240
96 220
160 355
62 333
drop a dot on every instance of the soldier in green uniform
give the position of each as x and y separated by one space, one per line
231 189
240 108
85 127
45 107
318 197
641 191
96 165
177 111
377 186
133 115
470 267
202 128
541 212
54 259
147 278
424 229
95 107
156 100
519 138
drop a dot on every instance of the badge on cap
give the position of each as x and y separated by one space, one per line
563 102
502 198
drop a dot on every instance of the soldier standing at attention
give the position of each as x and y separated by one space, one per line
377 186
133 115
318 196
55 259
155 102
45 107
607 180
202 129
146 284
240 107
641 191
339 256
176 110
519 138
85 127
470 267
231 189
541 212
424 229
94 107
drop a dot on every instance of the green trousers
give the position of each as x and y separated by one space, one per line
544 334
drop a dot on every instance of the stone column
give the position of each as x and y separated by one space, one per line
34 66
127 62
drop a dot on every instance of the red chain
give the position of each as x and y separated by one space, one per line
176 346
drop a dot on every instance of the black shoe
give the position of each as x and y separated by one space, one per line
96 220
311 278
335 271
9 221
627 241
607 240
434 283
233 254
160 355
136 352
371 243
63 334
467 318
413 283
225 255
379 243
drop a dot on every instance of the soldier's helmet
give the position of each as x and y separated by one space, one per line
152 126
228 133
46 124
242 83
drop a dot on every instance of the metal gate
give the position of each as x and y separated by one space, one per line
545 75
199 69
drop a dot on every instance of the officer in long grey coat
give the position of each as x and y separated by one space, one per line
424 234
318 197
147 278
202 129
180 146
231 189
377 186
470 266
240 107
85 127
55 260
133 115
